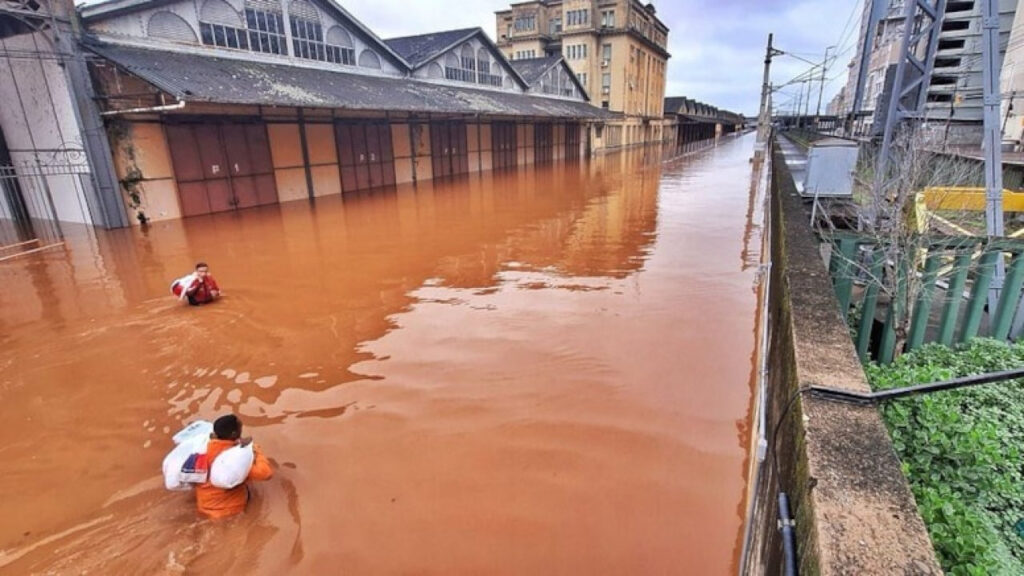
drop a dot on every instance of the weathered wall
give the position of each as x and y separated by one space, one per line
39 122
854 511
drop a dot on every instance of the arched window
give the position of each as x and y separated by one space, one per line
369 59
483 68
435 70
340 48
220 25
509 82
170 26
265 21
307 32
468 63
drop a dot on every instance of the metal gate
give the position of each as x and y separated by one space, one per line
29 219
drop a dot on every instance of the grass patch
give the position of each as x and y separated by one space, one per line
960 451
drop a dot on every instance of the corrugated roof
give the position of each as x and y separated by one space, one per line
418 49
674 104
532 68
208 78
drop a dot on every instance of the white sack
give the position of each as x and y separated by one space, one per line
231 467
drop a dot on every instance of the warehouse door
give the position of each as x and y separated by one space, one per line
543 143
365 153
572 141
503 144
221 167
448 150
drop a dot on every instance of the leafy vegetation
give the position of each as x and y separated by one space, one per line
961 452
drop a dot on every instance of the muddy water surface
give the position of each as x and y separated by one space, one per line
536 372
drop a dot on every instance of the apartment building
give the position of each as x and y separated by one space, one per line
954 104
616 48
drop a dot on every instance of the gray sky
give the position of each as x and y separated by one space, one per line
717 46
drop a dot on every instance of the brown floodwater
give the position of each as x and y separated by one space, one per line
545 371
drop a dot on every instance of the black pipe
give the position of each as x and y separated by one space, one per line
881 395
788 542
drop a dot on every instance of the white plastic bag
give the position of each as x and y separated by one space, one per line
231 467
192 440
199 427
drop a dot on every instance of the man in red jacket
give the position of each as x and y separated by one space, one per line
199 287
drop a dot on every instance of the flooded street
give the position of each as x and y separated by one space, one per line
545 371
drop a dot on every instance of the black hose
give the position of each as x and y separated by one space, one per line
851 396
788 540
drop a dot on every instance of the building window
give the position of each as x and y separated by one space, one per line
606 83
608 18
460 69
606 52
525 54
526 23
576 51
604 104
582 77
266 31
577 17
555 26
224 36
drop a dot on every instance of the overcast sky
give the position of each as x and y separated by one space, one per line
717 46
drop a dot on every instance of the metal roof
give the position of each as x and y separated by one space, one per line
210 78
419 49
533 68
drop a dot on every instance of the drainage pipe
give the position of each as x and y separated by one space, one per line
786 524
163 108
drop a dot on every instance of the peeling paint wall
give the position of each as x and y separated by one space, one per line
41 128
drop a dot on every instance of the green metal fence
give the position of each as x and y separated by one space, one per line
940 272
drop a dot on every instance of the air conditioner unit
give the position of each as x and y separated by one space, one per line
604 63
606 90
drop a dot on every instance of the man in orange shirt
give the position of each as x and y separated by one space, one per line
216 502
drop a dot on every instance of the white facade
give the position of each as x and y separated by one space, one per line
299 32
471 62
41 127
558 81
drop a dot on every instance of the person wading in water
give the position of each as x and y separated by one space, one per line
214 502
198 288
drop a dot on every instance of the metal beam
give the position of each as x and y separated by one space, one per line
922 22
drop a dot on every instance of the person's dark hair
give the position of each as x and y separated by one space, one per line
227 427
201 265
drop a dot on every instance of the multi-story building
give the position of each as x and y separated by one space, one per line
218 105
1012 82
617 49
954 103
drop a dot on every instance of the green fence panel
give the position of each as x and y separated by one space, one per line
887 350
870 305
1008 298
979 293
923 303
954 295
843 276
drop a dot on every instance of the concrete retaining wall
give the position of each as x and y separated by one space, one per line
854 511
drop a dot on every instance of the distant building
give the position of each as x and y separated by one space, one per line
616 48
954 104
217 105
1012 82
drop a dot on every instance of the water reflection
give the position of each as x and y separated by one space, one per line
512 362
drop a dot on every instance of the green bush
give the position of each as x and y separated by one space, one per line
960 451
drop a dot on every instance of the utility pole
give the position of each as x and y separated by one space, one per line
991 66
765 118
821 87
